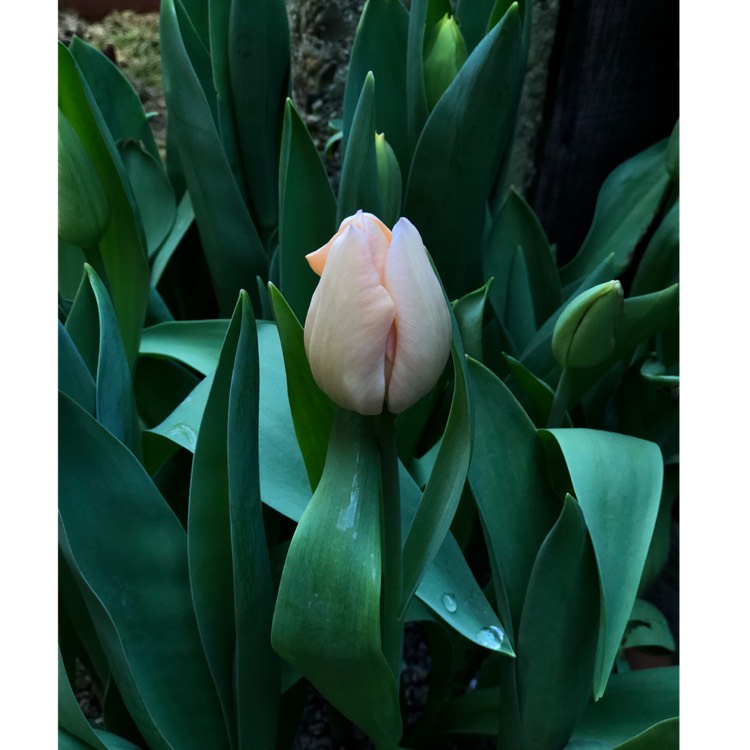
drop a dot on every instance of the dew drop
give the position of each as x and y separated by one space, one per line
183 434
491 637
450 603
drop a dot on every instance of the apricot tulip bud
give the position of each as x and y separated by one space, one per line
378 330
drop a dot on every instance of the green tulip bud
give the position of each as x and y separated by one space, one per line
446 53
389 180
585 333
82 204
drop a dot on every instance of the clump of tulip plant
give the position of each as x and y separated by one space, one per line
293 421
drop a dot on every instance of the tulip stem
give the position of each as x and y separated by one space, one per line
561 400
392 624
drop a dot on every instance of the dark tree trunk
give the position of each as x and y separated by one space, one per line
613 90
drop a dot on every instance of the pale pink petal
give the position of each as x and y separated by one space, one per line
423 325
368 223
347 326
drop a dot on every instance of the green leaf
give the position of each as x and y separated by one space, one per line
259 62
327 618
74 378
307 211
517 240
93 328
658 552
634 702
233 250
557 633
380 46
659 267
507 476
459 152
116 527
218 30
118 101
70 260
443 491
469 312
194 343
627 204
184 217
122 248
617 481
230 573
312 411
359 172
153 193
662 736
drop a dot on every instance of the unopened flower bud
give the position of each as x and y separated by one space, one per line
82 204
378 331
389 179
585 333
445 54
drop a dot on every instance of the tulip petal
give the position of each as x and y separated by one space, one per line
347 326
368 223
423 325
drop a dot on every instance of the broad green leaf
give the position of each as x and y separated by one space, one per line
459 152
93 328
647 627
283 479
507 476
517 234
380 46
307 211
359 172
557 633
73 377
259 63
617 481
443 491
230 574
118 102
469 312
662 736
659 267
233 250
115 526
327 618
627 204
634 701
312 410
184 217
153 193
122 248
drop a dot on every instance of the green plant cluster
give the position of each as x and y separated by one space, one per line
535 481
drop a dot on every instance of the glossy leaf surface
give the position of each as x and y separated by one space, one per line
116 527
620 514
327 618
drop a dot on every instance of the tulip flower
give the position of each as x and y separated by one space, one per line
378 330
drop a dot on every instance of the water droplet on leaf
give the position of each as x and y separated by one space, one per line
449 602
